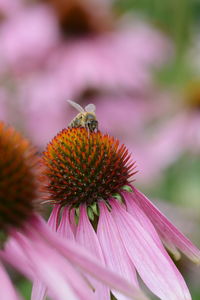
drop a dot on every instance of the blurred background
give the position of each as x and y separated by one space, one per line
139 63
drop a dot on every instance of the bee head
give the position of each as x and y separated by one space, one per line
91 122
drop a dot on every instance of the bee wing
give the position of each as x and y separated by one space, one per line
76 105
90 108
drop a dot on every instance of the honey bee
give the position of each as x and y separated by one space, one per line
86 117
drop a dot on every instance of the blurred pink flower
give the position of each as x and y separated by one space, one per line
9 7
28 243
46 66
176 133
88 178
89 63
126 116
163 147
113 60
26 38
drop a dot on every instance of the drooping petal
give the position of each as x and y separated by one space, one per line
13 254
149 256
81 258
39 289
53 219
47 276
7 290
114 252
167 230
137 213
169 245
63 281
65 227
52 278
86 236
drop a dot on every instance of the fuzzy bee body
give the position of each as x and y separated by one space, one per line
86 117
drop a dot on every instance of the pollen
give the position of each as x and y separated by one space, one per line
83 167
17 179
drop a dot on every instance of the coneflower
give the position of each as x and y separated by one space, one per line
26 241
88 182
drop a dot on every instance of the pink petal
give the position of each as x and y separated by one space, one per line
39 289
115 254
86 236
13 254
51 277
165 228
138 214
169 245
65 227
81 258
62 280
149 256
54 217
7 290
75 280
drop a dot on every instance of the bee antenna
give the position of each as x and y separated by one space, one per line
90 108
76 105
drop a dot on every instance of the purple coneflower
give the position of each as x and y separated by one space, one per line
26 241
88 181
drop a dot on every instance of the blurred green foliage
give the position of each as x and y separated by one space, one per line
25 287
176 17
180 182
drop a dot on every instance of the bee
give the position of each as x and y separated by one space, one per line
86 117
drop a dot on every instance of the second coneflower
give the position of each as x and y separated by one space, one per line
88 181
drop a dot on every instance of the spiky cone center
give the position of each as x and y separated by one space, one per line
18 187
79 18
83 167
